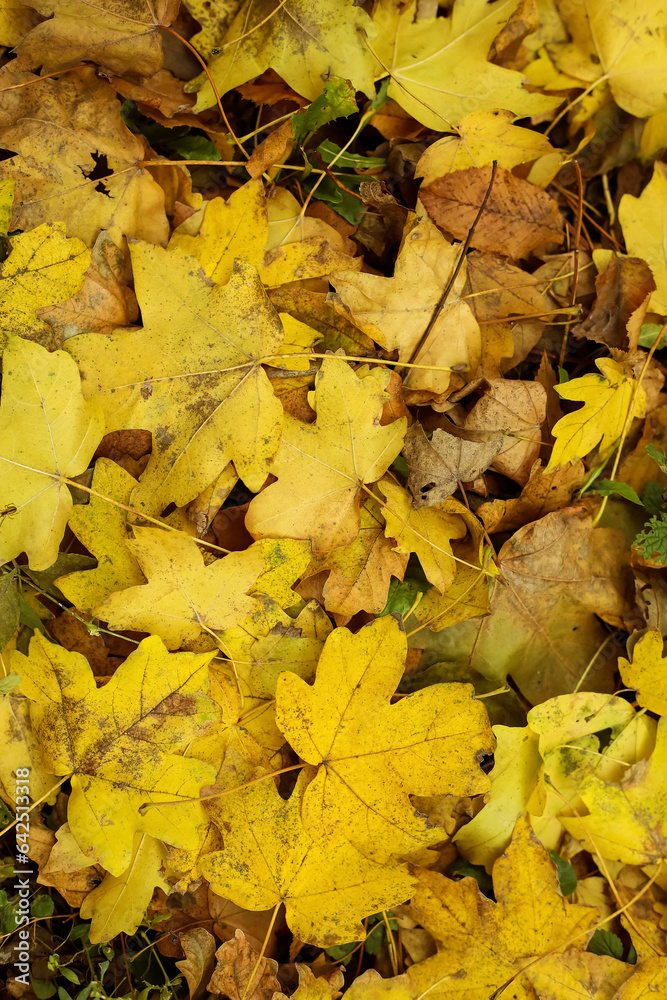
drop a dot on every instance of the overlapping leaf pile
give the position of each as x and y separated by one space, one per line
333 458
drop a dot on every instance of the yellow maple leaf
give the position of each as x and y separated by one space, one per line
60 130
235 228
627 820
311 988
20 748
304 43
114 743
272 235
322 472
559 741
16 20
427 531
192 376
295 646
438 65
185 600
44 267
485 136
620 44
119 903
646 672
372 754
120 36
102 528
49 434
270 858
608 399
484 944
388 311
643 220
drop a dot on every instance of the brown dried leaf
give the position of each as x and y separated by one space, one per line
197 966
496 291
162 92
361 571
621 289
274 149
438 466
515 410
541 495
517 218
235 963
103 302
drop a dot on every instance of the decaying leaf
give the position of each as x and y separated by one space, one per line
387 310
59 129
236 975
123 36
438 466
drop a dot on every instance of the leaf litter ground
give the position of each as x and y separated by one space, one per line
333 517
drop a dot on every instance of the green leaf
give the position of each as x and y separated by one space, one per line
348 161
42 988
8 683
651 543
194 147
337 101
607 487
652 497
649 334
402 595
341 201
562 376
382 95
658 455
566 874
9 607
400 466
7 915
376 940
79 932
606 943
70 975
463 867
42 906
341 952
30 618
